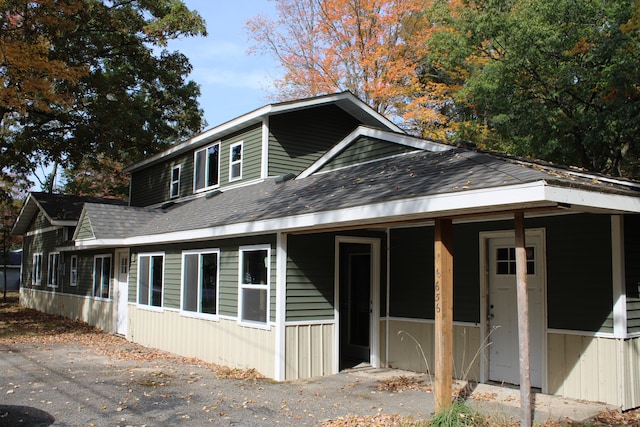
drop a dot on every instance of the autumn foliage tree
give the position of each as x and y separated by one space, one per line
84 80
368 47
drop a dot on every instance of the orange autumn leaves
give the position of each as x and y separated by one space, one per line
368 47
31 75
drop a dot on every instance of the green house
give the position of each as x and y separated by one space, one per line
298 240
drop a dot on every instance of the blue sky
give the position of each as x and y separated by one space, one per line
232 82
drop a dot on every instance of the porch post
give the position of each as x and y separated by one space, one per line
443 313
523 320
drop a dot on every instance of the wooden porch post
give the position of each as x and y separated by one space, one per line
523 320
443 313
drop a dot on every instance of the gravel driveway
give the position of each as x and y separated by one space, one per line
69 384
55 371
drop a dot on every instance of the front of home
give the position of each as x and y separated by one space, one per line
298 240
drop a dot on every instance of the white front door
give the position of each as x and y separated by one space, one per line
503 311
122 285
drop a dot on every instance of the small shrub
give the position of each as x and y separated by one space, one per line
458 415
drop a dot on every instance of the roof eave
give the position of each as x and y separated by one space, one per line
256 116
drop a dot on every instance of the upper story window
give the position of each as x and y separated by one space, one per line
150 279
235 162
206 168
175 181
36 272
102 276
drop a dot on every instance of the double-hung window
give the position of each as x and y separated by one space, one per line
235 162
36 269
73 279
150 279
102 276
200 273
53 269
254 278
206 168
175 182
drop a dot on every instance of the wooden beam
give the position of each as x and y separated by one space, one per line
443 313
523 320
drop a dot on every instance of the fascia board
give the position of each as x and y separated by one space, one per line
517 196
593 200
487 200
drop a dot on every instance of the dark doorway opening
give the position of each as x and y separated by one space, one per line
355 304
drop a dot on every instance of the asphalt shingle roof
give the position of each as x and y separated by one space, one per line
116 221
68 207
403 177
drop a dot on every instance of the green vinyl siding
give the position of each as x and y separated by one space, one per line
299 138
579 283
310 277
85 230
151 185
366 149
251 155
43 243
411 273
632 271
578 260
228 303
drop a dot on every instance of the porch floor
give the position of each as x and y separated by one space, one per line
497 400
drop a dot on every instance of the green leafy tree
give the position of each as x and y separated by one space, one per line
85 80
553 80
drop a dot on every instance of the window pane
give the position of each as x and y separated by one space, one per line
236 153
143 280
254 305
106 276
156 280
502 254
200 169
97 276
255 267
235 170
190 282
212 177
209 283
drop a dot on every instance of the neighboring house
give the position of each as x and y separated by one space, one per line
298 239
11 266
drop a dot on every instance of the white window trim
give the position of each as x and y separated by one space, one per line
231 162
36 279
242 286
148 304
50 284
73 279
102 256
195 165
172 181
198 314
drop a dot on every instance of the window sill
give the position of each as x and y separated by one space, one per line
200 316
150 308
254 325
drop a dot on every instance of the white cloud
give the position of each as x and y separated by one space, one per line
250 79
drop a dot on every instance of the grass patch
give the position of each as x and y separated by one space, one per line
458 415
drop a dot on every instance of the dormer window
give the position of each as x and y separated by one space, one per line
207 168
175 181
235 162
